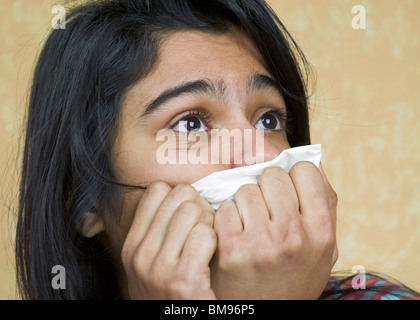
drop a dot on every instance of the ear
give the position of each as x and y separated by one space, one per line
91 225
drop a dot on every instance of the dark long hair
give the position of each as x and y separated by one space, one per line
80 79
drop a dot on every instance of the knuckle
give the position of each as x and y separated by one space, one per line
304 169
189 206
229 255
270 174
138 262
160 265
282 182
206 232
230 260
202 237
249 192
225 207
156 279
159 272
328 243
189 210
333 198
208 219
294 240
185 190
179 284
303 164
325 233
335 255
295 245
248 188
159 187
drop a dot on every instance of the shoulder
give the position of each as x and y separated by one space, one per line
367 287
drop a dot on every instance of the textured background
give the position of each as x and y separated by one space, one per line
365 112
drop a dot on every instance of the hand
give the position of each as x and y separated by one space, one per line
277 239
168 248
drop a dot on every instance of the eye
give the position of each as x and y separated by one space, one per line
190 123
269 121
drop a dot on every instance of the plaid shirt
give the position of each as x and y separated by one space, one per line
376 288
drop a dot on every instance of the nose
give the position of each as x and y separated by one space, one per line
244 147
256 148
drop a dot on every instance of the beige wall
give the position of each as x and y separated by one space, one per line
365 113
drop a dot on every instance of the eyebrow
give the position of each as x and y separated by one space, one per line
205 86
262 81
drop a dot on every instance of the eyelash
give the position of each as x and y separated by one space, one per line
204 116
282 114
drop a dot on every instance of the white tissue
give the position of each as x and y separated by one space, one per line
221 186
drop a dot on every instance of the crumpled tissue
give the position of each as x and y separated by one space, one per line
221 186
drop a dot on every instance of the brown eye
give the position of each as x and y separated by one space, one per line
269 121
191 123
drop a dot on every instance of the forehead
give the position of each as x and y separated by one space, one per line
196 51
191 55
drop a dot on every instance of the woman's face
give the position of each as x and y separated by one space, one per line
220 82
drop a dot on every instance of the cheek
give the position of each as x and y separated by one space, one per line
184 173
141 166
118 224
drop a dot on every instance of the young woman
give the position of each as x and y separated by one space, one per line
95 199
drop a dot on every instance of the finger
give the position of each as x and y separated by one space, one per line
332 202
227 222
332 195
206 206
158 227
313 198
184 219
198 250
251 207
280 195
145 211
